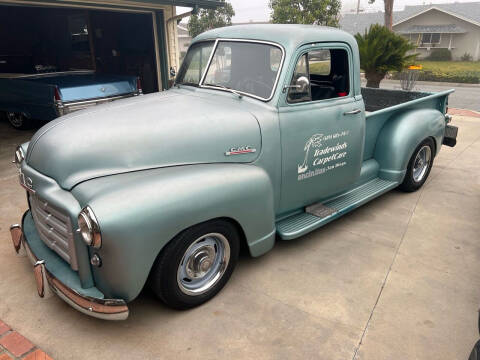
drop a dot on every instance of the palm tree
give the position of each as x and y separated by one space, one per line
381 51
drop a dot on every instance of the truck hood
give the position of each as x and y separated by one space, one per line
158 130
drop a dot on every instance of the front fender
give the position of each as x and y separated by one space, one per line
400 136
140 212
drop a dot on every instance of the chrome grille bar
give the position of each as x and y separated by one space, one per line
54 228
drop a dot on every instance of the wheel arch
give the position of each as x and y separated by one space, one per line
401 135
171 200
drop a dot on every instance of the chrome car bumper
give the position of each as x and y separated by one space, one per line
68 107
107 309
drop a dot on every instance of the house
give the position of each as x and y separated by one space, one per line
436 26
125 37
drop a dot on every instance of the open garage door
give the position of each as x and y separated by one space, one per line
39 40
57 60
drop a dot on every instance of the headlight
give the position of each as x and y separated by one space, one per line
88 228
19 156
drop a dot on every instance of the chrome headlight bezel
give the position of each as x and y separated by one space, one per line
19 156
88 228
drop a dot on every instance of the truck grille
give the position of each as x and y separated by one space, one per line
54 228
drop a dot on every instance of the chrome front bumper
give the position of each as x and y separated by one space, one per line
107 309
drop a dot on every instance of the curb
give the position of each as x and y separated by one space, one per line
464 112
14 346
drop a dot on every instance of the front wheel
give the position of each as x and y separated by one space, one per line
419 166
196 264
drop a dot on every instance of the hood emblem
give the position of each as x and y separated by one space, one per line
240 150
102 89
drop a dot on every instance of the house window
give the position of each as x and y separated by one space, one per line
431 38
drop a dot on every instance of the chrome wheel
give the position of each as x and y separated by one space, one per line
16 119
421 163
203 264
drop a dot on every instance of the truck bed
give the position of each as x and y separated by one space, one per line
383 104
378 99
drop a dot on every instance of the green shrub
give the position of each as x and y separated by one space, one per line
381 51
440 55
466 57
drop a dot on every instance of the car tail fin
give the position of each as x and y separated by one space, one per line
57 95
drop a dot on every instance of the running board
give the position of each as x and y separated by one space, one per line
320 214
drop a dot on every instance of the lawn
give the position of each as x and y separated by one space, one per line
449 71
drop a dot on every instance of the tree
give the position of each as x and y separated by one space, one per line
388 14
208 19
381 51
318 12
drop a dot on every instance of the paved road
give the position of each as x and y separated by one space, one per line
398 278
464 97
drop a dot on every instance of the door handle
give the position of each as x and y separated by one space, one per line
353 112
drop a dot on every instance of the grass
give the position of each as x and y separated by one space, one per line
320 67
449 71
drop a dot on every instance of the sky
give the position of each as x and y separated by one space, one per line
257 10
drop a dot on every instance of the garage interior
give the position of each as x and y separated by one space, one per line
39 39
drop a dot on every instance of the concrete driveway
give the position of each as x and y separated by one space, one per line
396 279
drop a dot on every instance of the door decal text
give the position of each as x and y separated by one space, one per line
328 150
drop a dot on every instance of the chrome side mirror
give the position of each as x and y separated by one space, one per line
302 84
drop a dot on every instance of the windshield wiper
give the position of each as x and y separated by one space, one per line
227 88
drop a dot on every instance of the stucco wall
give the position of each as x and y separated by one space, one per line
461 43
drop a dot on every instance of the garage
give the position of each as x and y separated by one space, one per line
58 57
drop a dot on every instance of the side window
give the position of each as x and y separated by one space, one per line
327 75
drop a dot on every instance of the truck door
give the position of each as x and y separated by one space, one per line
322 127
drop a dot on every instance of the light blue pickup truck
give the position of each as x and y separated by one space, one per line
266 134
43 97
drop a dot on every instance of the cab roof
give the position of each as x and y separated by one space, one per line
290 36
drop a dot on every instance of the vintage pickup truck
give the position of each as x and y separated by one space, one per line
266 133
43 97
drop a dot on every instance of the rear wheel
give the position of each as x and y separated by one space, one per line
419 166
18 120
196 264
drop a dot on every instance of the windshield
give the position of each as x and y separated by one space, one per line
247 67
